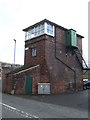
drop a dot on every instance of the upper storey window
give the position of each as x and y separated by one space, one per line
41 29
50 29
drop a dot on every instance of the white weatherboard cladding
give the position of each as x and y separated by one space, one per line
43 88
41 29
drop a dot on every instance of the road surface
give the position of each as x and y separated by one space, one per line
70 105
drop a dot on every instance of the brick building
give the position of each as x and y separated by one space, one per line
53 54
4 69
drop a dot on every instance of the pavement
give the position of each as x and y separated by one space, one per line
66 105
74 99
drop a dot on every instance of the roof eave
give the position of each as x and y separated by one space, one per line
45 20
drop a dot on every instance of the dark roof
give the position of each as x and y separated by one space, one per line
45 20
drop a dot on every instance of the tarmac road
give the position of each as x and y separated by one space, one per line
70 105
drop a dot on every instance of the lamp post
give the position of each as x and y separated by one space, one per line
14 49
14 82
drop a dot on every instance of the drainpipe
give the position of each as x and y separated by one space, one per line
66 64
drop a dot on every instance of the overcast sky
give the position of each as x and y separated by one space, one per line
16 15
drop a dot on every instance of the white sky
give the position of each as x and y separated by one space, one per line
16 15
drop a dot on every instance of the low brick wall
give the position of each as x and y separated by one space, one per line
19 80
8 83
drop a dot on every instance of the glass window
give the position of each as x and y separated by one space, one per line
40 30
35 30
33 52
50 29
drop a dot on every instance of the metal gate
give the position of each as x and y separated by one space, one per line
28 85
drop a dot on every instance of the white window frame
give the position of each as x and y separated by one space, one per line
50 29
40 30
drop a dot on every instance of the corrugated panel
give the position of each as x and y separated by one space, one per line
71 40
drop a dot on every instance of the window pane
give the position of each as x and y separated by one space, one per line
39 30
33 52
50 29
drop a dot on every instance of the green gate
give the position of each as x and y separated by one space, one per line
28 85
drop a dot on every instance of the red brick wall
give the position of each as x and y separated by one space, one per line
19 79
39 44
60 75
52 70
8 83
